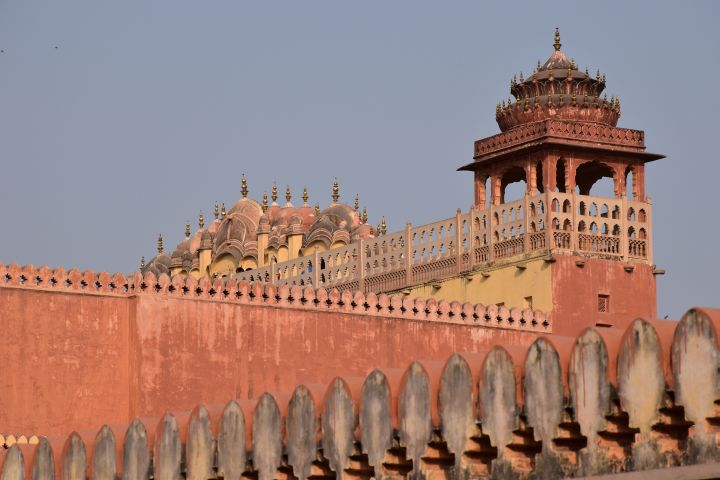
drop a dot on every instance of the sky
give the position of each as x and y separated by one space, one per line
122 120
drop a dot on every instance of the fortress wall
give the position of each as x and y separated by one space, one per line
557 408
87 348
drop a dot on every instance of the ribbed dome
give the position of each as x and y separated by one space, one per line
557 89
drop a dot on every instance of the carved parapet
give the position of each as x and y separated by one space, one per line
465 418
269 294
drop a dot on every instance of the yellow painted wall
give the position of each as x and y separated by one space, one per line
249 262
507 285
223 265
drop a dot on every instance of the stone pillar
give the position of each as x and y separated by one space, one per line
480 193
262 243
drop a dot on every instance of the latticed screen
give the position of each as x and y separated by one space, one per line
603 303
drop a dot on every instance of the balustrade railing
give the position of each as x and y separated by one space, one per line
611 228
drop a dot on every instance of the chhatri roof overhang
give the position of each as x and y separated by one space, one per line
559 105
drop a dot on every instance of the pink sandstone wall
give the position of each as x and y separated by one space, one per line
85 352
575 293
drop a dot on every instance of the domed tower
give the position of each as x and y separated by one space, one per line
559 138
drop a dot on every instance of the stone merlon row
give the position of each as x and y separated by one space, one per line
602 402
241 291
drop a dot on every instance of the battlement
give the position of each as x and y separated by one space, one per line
602 402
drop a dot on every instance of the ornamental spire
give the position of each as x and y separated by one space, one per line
201 220
223 212
142 262
557 43
335 191
217 211
317 209
265 202
383 226
364 215
160 244
305 195
187 229
357 203
288 195
273 193
244 189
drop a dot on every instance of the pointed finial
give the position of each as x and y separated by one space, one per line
223 212
514 79
587 72
305 195
539 66
364 215
497 109
244 189
557 43
317 209
201 220
187 229
522 78
383 226
160 245
142 262
378 229
217 211
273 194
357 203
265 202
288 195
573 63
598 74
335 191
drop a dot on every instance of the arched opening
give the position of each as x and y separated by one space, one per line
630 183
595 178
539 179
513 184
560 176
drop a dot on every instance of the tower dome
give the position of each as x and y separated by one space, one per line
557 89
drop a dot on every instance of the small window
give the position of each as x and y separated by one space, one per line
604 303
528 302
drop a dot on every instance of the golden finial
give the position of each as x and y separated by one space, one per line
244 189
497 109
598 74
522 79
383 226
273 194
587 72
378 230
317 209
187 229
514 79
357 203
217 211
160 245
142 262
201 220
335 191
364 215
223 212
288 195
539 66
305 195
527 103
617 103
265 202
557 43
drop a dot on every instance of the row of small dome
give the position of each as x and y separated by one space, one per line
235 232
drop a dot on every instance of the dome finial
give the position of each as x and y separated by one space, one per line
244 189
357 203
288 195
142 262
187 229
223 212
305 195
201 220
265 202
383 226
335 191
160 245
217 211
557 43
273 193
317 209
364 215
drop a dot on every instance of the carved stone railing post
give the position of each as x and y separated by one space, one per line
547 221
408 254
471 237
624 243
491 232
361 265
458 241
316 269
574 239
526 224
273 273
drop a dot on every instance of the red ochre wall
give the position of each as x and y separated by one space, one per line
78 360
575 293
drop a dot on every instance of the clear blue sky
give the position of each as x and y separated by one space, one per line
120 120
